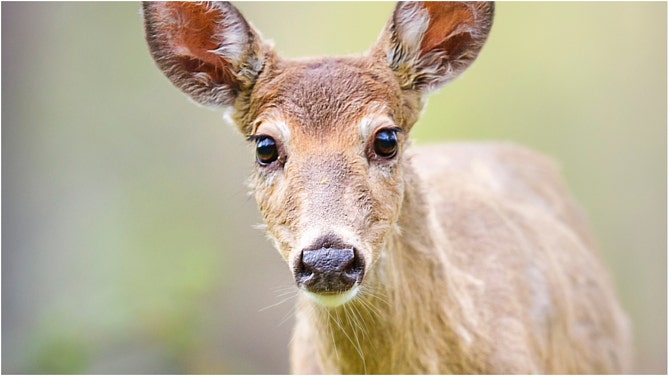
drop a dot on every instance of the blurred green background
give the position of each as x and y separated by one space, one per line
127 232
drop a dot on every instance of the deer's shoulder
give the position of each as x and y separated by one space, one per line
487 184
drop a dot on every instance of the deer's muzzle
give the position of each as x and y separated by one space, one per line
329 268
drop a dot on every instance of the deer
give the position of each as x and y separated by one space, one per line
460 257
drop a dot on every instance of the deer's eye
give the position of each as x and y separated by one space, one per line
385 143
266 150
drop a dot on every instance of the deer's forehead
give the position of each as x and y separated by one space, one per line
330 95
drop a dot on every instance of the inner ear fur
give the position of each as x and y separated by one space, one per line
207 50
428 44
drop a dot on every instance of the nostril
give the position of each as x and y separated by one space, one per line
355 266
303 270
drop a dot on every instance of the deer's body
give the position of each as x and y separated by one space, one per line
463 258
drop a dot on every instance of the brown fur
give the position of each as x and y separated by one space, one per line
477 259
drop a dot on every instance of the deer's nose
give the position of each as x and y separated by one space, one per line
329 267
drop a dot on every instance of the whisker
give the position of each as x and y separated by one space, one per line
368 305
288 298
358 324
291 313
345 333
275 304
282 290
362 321
331 333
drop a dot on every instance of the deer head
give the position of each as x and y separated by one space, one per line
330 134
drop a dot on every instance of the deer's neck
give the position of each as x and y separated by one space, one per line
403 320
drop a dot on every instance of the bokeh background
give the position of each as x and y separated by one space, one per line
127 231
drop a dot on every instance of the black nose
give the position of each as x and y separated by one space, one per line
329 267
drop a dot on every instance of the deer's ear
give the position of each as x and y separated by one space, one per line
208 50
428 44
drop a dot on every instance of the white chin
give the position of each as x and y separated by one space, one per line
332 300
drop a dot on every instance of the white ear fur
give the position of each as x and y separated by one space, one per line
234 30
412 23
